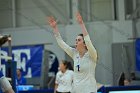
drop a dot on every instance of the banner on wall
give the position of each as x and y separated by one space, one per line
28 58
138 54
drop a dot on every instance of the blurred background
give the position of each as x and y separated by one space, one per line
113 26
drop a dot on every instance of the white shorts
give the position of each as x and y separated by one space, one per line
5 84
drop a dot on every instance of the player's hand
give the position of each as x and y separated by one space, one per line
79 18
52 22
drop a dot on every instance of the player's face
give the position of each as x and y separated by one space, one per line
79 42
18 72
62 67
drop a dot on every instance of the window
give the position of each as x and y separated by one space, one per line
132 8
102 9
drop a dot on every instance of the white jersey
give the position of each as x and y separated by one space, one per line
4 84
84 68
64 81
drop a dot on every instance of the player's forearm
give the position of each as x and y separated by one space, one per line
55 87
56 32
84 30
63 45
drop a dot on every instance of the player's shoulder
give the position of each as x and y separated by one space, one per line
70 71
59 73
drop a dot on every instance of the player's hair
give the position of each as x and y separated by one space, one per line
67 64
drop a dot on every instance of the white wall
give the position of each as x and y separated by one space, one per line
102 36
122 31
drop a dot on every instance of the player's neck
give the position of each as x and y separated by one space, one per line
19 76
82 52
63 71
